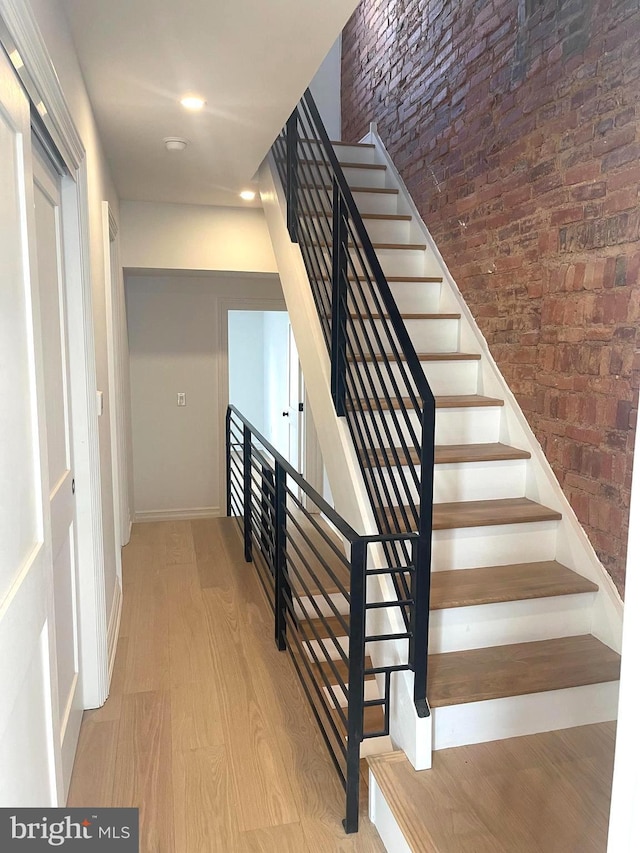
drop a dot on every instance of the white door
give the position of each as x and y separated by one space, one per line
53 323
295 395
29 746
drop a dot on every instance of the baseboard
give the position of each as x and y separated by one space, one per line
114 628
178 514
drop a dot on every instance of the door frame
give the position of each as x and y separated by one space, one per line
23 42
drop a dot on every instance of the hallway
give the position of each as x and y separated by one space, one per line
206 729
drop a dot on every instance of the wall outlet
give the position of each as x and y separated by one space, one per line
182 398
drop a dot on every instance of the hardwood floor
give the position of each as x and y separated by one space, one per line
545 793
206 729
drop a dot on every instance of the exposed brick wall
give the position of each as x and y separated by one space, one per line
515 126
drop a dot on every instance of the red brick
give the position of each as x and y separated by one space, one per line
540 162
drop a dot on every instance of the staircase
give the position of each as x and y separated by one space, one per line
525 623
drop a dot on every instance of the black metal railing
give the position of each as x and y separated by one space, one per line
377 381
314 569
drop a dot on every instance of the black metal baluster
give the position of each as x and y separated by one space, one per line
339 303
246 458
355 722
283 592
292 176
228 458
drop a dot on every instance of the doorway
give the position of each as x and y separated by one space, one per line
265 379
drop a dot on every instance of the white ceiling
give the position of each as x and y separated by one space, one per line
250 59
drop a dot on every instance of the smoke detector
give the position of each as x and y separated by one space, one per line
175 143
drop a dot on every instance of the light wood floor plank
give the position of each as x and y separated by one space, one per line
143 768
97 747
204 802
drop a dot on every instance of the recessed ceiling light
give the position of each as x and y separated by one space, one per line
247 195
192 102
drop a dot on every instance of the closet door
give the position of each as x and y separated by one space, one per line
62 503
29 747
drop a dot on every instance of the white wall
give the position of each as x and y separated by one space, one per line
52 23
325 88
177 341
194 237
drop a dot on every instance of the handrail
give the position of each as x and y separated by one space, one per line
390 304
289 545
377 381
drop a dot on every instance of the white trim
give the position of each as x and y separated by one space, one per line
114 626
624 820
191 513
108 235
18 24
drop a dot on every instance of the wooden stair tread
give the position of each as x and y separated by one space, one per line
449 516
373 720
342 668
376 167
492 452
413 247
407 316
423 356
473 799
515 582
452 453
326 583
476 675
353 144
457 401
330 627
464 401
382 217
383 190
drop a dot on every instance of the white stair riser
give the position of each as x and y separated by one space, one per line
322 607
409 262
416 296
453 426
458 376
469 481
525 621
365 177
354 153
410 297
394 262
427 335
468 425
388 230
500 545
318 173
376 202
496 719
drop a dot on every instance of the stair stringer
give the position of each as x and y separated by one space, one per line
408 731
573 547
